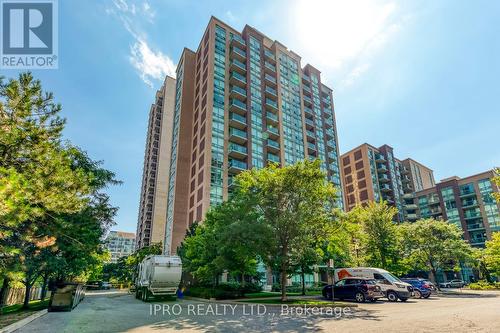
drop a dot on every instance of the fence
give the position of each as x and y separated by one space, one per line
16 295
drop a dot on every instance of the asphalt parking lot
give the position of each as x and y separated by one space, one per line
111 311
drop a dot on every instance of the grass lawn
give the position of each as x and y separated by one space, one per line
264 294
12 313
317 303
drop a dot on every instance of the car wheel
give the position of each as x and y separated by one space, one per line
417 293
392 296
360 297
403 299
427 296
329 296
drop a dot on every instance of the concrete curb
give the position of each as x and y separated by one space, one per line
23 322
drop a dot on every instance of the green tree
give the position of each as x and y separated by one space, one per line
138 256
496 181
492 254
377 241
295 204
435 244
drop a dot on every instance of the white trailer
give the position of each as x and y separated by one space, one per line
159 275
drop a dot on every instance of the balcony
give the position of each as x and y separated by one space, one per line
273 132
237 53
436 211
328 123
467 193
307 100
272 118
273 145
308 111
273 158
381 168
379 158
307 90
238 92
411 206
237 106
238 66
433 200
327 102
237 121
309 123
475 227
237 151
383 178
270 79
238 79
232 182
405 171
271 105
411 217
270 92
331 144
311 147
269 55
306 78
469 204
406 196
405 179
472 215
332 157
270 68
385 188
238 41
236 166
237 135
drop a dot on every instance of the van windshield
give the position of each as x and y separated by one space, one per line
391 278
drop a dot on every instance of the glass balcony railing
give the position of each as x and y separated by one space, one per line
237 148
239 77
238 39
307 99
311 145
239 52
270 66
270 78
272 143
235 164
272 116
239 64
239 90
269 54
237 132
308 110
273 157
310 133
271 91
271 103
238 103
306 78
309 122
273 130
238 118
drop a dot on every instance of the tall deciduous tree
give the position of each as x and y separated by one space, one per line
295 203
435 244
492 254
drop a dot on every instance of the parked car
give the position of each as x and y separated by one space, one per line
392 287
358 289
452 284
93 285
421 289
106 285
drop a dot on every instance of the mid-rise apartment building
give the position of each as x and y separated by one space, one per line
242 101
374 174
120 244
155 175
465 202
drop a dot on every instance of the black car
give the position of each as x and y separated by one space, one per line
358 289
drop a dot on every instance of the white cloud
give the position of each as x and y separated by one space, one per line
231 17
338 34
150 64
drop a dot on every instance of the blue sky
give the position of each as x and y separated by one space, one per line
421 76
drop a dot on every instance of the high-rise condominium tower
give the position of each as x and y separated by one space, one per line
375 174
153 201
242 100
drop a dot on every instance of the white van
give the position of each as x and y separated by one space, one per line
392 287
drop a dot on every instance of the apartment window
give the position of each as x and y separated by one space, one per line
200 177
362 184
363 195
347 170
348 179
200 194
358 155
350 189
346 160
191 201
193 184
199 212
361 174
191 217
359 165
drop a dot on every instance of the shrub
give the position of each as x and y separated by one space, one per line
229 290
484 285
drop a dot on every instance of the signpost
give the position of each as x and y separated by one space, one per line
331 264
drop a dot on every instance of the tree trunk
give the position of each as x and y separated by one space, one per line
303 278
434 278
3 291
27 294
284 298
44 286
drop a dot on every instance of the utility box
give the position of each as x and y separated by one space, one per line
66 296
